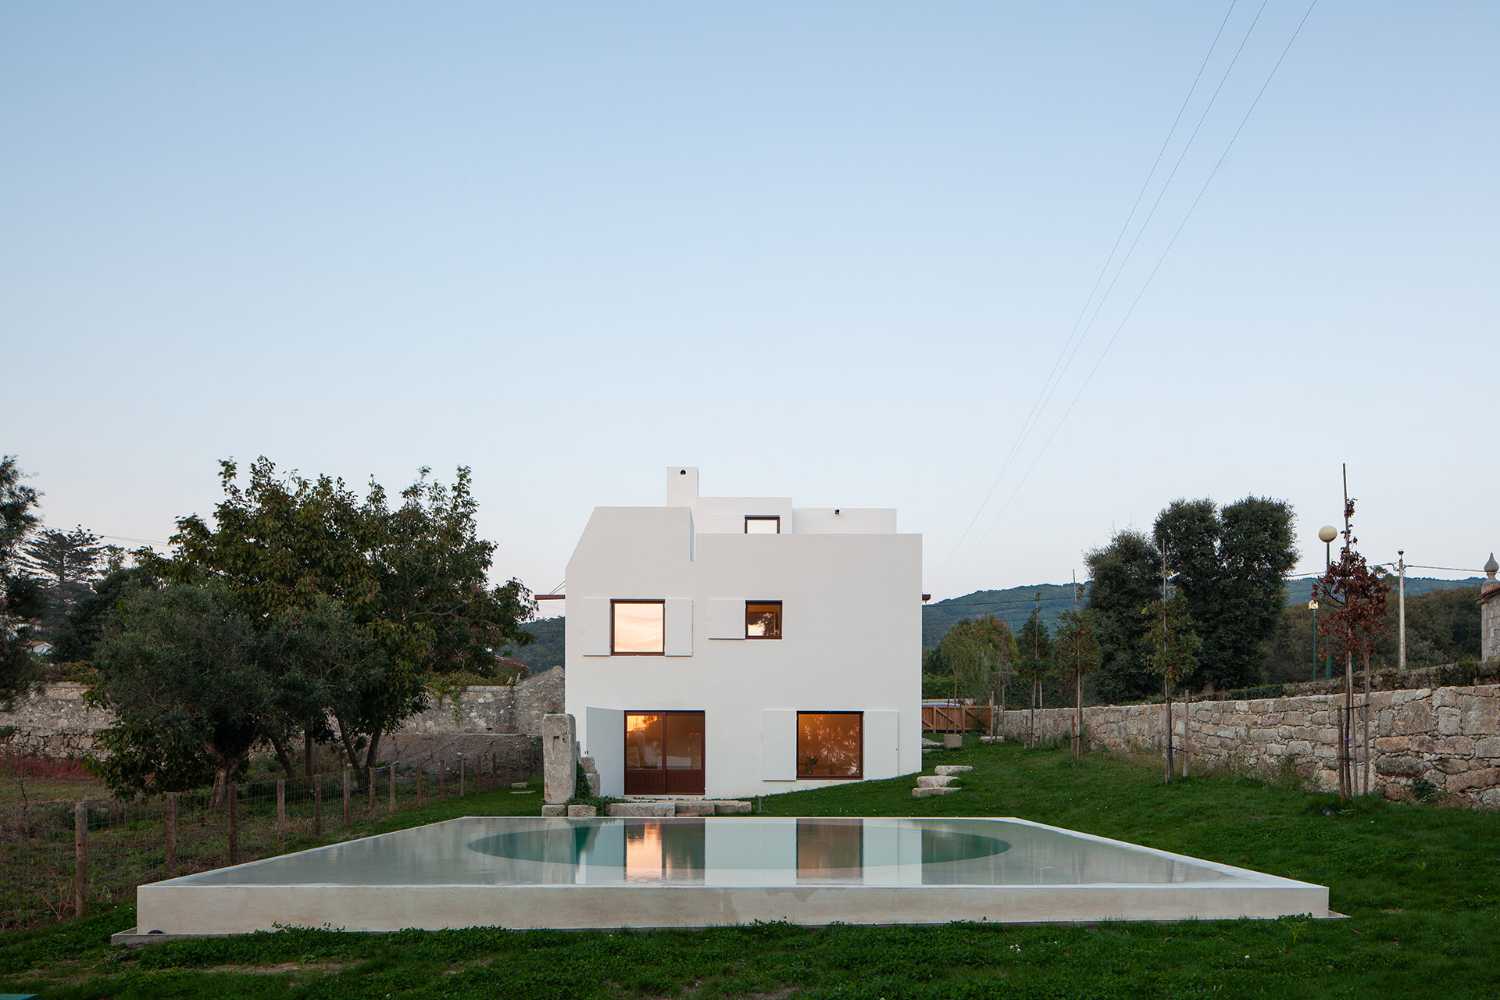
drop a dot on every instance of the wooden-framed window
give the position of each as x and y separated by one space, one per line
762 524
762 619
638 627
830 745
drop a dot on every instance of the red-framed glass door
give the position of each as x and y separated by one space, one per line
664 753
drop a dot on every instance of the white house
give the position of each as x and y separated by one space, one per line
734 646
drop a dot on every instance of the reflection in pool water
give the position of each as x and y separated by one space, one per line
750 851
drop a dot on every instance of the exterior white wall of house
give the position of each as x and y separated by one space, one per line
850 588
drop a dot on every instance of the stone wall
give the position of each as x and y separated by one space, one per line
1449 736
55 722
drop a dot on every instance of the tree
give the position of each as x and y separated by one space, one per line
1357 597
21 599
83 627
1125 577
1078 652
979 655
1175 644
413 579
68 563
1230 566
1035 661
183 671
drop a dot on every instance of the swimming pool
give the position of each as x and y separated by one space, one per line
532 872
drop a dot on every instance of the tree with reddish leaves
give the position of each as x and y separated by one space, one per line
1357 597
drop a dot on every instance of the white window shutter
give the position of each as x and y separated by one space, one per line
726 618
592 626
778 744
882 744
679 627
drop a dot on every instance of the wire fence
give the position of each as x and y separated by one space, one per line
60 859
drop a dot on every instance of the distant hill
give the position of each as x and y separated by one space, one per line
545 650
1013 605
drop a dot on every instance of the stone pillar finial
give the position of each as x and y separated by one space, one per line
1491 567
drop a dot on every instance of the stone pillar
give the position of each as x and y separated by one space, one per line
559 758
1489 612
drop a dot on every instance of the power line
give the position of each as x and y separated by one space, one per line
1069 349
1165 252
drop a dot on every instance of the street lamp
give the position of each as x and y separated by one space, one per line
1312 606
1326 535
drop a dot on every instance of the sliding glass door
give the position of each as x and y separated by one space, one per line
664 753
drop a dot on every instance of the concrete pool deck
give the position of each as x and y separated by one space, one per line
558 873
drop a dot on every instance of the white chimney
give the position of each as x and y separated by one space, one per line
682 485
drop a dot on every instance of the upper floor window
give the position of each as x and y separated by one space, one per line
638 628
762 619
762 524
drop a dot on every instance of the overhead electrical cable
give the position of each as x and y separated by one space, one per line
1048 386
1296 32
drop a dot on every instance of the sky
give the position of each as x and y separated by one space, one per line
835 253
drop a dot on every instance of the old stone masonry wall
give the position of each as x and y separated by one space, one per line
1448 736
55 722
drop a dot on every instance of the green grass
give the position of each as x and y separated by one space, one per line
1421 885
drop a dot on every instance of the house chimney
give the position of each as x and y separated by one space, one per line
682 485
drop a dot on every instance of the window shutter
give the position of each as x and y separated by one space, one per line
778 744
591 627
726 618
882 744
679 627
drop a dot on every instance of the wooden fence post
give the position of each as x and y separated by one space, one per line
234 824
391 793
169 822
370 792
346 796
80 855
280 810
318 804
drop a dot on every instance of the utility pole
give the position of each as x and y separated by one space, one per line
1401 609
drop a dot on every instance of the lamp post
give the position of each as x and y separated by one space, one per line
1326 535
1312 606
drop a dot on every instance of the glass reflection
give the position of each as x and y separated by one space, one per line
643 742
639 627
830 744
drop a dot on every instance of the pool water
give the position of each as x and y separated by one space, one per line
751 851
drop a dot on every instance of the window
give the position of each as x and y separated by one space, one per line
762 619
638 628
830 744
762 524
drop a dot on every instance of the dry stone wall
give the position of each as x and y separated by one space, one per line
55 722
1446 736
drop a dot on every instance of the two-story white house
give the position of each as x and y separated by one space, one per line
735 646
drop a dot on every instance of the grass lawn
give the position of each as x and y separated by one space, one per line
1421 884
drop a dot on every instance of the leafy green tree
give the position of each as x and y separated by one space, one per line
183 671
980 654
83 627
1175 645
1078 652
1230 566
1125 576
413 577
1034 662
21 599
68 563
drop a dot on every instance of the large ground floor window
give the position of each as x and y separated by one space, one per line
664 753
830 744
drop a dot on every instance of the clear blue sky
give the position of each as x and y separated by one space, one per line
829 253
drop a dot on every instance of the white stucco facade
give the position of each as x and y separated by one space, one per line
850 593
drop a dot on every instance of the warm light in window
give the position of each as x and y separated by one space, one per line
639 627
830 744
762 524
762 619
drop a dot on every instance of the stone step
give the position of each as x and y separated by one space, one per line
935 780
694 808
730 807
642 809
926 790
582 812
953 769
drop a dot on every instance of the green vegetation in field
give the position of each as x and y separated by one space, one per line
1421 886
